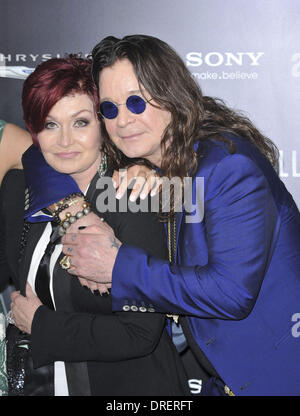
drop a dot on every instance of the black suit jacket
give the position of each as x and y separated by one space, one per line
121 353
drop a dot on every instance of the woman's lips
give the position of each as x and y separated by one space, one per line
66 155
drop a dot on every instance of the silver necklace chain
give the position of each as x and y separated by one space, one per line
103 165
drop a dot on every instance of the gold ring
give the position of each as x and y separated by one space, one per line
66 262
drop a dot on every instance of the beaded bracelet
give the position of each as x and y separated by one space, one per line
70 219
65 203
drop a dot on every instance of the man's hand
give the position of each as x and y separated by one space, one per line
23 308
82 223
93 251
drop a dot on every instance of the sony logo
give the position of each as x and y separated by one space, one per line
225 58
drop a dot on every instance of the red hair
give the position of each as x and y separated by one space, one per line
51 81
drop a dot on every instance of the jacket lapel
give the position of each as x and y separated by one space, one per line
34 234
179 216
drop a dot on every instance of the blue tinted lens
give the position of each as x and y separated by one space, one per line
108 109
135 104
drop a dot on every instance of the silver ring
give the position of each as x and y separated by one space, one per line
9 318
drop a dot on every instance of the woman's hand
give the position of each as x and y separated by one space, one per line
23 308
146 181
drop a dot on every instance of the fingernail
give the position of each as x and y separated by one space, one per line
152 193
118 196
132 198
114 184
143 195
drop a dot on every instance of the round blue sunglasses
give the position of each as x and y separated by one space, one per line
134 103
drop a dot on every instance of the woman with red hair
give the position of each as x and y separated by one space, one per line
92 350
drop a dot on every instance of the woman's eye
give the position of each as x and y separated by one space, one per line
50 125
81 123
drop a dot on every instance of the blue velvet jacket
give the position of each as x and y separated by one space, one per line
237 276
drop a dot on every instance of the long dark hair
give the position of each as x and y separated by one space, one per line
161 71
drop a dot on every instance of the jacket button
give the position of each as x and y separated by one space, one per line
134 308
126 308
142 309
